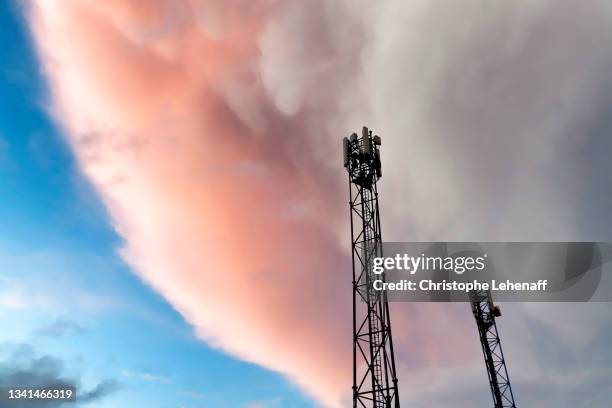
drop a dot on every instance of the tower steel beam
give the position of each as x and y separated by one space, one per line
485 313
374 373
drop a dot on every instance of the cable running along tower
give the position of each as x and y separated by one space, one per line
485 313
374 375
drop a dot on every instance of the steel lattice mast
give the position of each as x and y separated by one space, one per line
374 374
485 312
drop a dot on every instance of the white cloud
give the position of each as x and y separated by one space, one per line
13 301
269 403
144 376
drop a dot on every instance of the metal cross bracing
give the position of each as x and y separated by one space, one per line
485 312
374 373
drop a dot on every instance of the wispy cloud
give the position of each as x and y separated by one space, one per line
13 301
144 376
193 394
100 391
60 328
269 403
16 295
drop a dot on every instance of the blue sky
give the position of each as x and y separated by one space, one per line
64 292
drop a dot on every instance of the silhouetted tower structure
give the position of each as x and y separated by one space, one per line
374 374
485 313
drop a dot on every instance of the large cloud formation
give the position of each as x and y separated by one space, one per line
211 131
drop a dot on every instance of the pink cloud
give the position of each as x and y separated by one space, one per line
226 213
